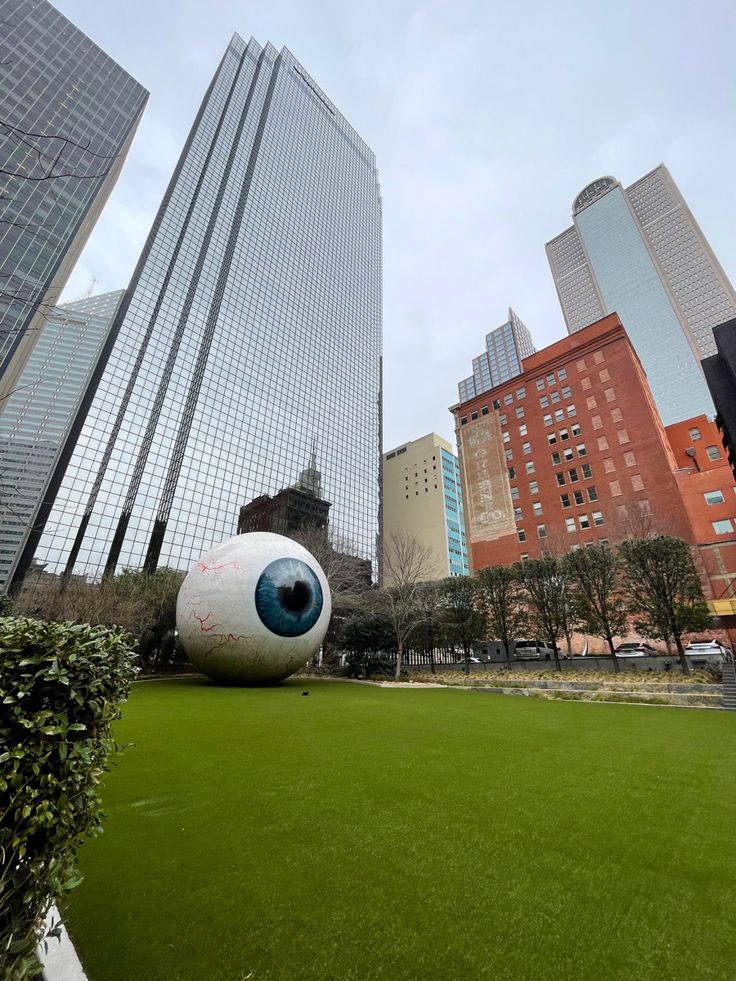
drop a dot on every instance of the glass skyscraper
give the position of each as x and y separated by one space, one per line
41 419
639 252
68 114
506 347
250 335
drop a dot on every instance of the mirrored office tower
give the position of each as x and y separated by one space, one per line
68 114
639 252
250 333
506 348
41 419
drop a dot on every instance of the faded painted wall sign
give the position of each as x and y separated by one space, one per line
489 510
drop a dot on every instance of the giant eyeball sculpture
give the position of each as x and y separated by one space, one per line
253 610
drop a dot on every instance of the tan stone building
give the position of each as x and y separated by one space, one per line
422 497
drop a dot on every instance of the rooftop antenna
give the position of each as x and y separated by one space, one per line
93 283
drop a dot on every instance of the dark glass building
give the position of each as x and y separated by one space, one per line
251 330
68 114
41 419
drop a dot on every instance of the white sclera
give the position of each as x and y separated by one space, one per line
219 626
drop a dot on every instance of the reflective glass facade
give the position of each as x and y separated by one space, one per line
639 252
250 333
41 418
630 286
506 347
457 549
68 114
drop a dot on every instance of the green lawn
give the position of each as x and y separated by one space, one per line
367 833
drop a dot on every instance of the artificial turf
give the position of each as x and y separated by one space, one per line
363 833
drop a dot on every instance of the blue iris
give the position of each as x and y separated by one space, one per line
288 597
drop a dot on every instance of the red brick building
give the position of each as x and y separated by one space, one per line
573 451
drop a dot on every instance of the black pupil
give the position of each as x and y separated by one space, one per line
296 596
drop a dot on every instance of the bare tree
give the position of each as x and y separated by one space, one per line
548 602
503 605
594 575
408 562
462 613
664 590
345 571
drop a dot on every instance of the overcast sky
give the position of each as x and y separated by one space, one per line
486 118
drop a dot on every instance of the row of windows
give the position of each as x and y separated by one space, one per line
550 379
584 521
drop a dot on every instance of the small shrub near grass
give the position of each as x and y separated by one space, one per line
61 688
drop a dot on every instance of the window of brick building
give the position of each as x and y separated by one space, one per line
608 465
520 412
556 459
503 419
522 430
533 487
517 514
578 498
604 375
559 415
580 365
616 415
581 449
630 459
591 402
530 468
547 420
554 398
587 472
570 524
568 453
521 535
509 454
521 393
598 357
586 384
526 448
615 488
552 438
592 494
584 521
623 436
565 500
694 433
540 384
610 394
598 520
597 422
537 508
723 527
575 429
564 434
562 374
602 443
713 452
637 483
508 398
514 493
544 402
566 392
714 497
571 410
560 478
541 531
573 475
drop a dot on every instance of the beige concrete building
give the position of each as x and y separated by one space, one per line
422 497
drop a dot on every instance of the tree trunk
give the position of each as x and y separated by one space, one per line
616 665
682 655
556 655
507 652
568 641
399 658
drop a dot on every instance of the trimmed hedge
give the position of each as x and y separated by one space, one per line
61 688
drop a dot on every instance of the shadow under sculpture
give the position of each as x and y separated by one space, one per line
253 610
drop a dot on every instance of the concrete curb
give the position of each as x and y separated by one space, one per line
60 962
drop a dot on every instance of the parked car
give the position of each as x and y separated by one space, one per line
636 648
533 650
702 648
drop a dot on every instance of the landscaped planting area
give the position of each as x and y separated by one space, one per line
363 833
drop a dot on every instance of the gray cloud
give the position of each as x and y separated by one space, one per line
486 120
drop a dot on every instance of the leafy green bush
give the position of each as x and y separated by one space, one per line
61 688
